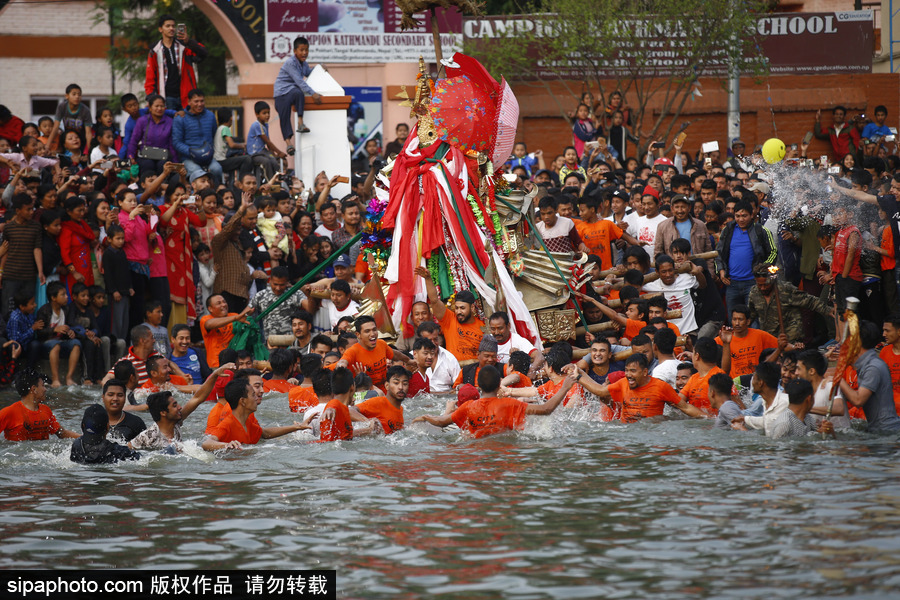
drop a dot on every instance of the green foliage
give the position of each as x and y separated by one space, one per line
651 50
134 25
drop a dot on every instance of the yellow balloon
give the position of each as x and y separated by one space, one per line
773 150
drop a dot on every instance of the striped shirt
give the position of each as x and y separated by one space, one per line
788 425
139 365
23 239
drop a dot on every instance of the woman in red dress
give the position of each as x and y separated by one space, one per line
175 223
75 240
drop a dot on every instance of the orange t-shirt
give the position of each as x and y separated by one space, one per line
374 360
341 428
745 351
381 408
459 378
230 429
487 416
462 340
852 377
524 380
633 328
893 363
598 236
280 386
301 398
215 340
218 412
890 261
20 424
549 389
696 390
648 400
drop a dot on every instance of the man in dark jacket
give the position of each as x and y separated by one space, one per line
742 245
92 448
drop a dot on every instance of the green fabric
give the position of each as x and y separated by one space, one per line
444 275
250 337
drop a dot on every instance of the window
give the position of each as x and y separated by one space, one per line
45 106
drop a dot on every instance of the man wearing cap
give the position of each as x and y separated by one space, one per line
683 225
92 448
487 355
546 176
648 224
278 322
760 189
462 329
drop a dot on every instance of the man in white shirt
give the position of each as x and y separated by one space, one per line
445 369
664 349
676 288
649 222
765 383
339 305
508 341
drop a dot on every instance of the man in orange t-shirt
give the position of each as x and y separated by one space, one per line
240 425
336 423
216 327
742 345
370 355
596 233
461 328
696 390
388 409
282 362
891 353
29 419
490 414
639 395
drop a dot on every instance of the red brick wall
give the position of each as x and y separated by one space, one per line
795 100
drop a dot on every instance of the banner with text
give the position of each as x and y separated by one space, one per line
793 44
355 31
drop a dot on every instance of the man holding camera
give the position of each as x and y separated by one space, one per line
170 64
838 133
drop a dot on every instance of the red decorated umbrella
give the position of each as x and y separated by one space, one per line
464 114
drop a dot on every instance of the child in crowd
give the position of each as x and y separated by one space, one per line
22 327
113 348
260 148
57 336
81 319
585 128
105 149
207 273
117 277
424 352
521 158
271 226
105 119
73 116
153 318
45 126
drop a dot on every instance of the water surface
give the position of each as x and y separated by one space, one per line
569 508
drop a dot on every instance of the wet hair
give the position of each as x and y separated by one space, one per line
638 358
321 382
115 383
708 350
769 373
157 403
556 360
520 361
124 370
341 381
235 390
281 360
362 381
153 363
488 379
665 339
721 383
228 355
397 371
310 364
27 378
424 344
798 390
870 335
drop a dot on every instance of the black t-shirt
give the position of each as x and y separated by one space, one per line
173 75
128 428
891 208
708 303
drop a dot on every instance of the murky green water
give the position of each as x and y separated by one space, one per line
567 509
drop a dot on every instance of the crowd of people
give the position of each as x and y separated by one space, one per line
707 277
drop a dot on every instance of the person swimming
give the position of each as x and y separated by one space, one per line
92 448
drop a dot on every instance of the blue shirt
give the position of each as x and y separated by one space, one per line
740 259
189 364
873 129
255 144
292 77
19 327
684 229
